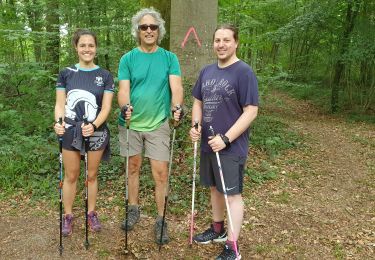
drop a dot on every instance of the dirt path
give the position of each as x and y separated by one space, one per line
321 206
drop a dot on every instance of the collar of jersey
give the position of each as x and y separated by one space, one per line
83 69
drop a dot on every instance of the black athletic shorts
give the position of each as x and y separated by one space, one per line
232 169
98 141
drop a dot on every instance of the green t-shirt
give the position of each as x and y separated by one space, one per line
150 93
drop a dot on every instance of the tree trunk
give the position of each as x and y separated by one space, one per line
343 45
108 44
34 11
192 35
53 36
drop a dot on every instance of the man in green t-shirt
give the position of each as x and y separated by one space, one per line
150 81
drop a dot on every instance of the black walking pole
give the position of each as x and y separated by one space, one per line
175 124
61 248
86 186
123 111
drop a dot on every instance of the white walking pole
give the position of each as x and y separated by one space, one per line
225 194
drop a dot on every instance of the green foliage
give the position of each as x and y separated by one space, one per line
271 134
290 45
259 176
25 170
305 40
338 251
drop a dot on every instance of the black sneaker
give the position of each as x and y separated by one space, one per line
133 217
228 254
157 230
210 235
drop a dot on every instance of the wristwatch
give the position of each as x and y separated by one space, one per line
95 127
225 140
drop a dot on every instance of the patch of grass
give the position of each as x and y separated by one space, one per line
338 251
252 200
272 135
39 213
293 175
104 217
283 197
103 253
291 248
320 96
260 177
263 249
363 140
360 117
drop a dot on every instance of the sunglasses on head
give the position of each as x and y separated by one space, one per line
144 27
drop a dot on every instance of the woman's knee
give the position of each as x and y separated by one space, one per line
71 176
92 176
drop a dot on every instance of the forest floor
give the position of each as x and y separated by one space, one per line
321 205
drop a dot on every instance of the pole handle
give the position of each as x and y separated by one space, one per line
86 122
211 131
196 124
177 107
123 112
60 137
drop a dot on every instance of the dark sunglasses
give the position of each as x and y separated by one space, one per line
144 27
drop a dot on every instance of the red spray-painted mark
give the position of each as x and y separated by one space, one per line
191 29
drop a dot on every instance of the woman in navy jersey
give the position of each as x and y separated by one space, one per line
84 92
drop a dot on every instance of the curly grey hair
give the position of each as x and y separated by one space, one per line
157 16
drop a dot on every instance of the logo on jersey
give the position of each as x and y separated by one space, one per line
87 105
99 81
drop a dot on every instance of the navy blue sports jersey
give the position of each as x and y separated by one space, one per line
84 91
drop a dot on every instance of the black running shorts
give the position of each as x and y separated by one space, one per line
232 169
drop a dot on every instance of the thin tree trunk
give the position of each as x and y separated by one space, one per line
343 45
106 56
34 10
53 36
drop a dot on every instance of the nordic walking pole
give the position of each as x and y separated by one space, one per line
124 109
86 187
225 192
61 248
193 189
178 107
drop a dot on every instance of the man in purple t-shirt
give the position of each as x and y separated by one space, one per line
226 99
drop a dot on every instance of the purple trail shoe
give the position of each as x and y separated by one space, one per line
67 225
94 222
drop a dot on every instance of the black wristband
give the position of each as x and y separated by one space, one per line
95 127
225 140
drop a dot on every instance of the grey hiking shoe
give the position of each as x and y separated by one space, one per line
133 217
164 237
228 254
210 235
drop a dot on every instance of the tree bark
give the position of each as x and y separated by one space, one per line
53 36
34 15
343 45
192 36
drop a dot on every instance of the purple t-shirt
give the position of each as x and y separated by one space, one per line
224 92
